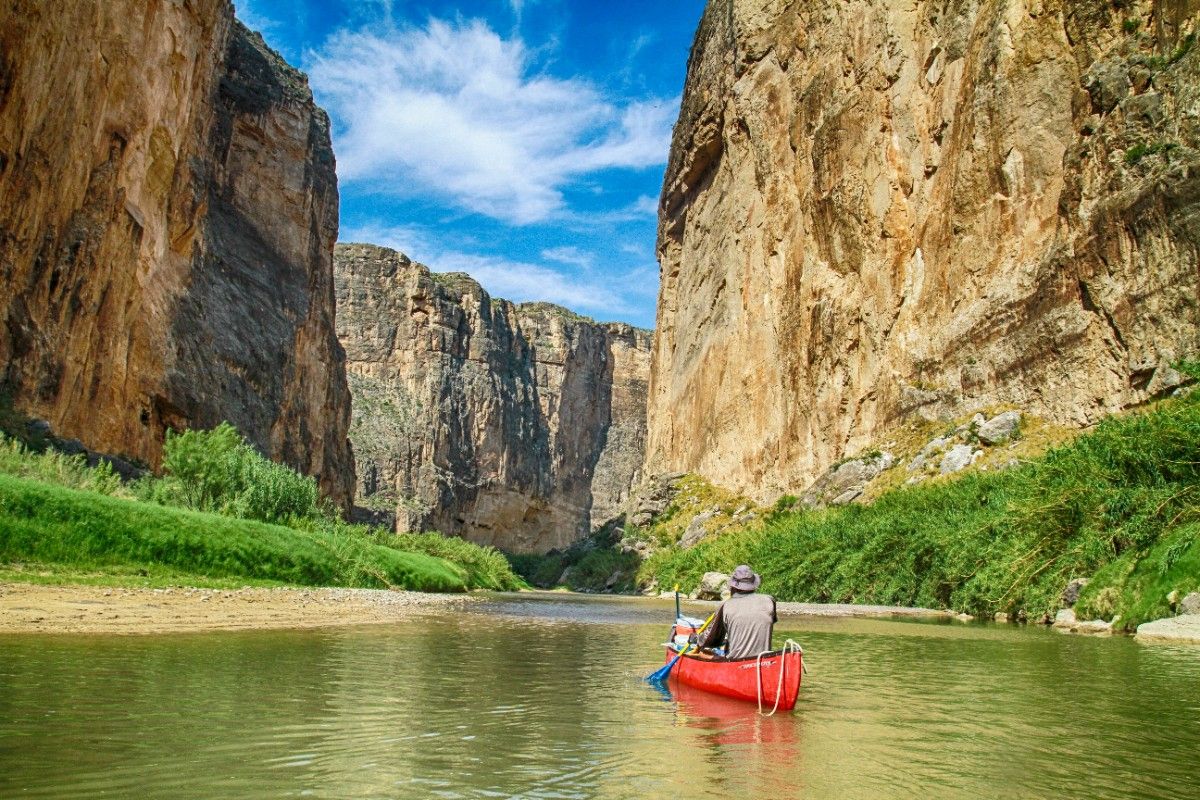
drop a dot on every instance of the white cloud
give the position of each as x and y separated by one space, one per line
253 19
609 295
456 110
568 255
522 282
412 240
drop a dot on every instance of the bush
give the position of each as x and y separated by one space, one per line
219 471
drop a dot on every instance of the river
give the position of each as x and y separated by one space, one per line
541 696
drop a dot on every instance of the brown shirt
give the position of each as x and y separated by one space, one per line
746 622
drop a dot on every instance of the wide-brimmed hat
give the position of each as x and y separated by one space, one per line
744 579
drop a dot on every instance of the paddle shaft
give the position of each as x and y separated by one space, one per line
662 672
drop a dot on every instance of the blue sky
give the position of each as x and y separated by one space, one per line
522 141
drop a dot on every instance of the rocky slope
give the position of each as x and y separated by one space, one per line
519 426
874 211
168 209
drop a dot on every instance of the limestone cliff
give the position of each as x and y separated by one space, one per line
519 426
877 209
168 210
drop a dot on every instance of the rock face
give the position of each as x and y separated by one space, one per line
875 210
519 426
168 209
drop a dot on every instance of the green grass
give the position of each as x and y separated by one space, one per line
88 531
151 576
485 567
1120 503
263 521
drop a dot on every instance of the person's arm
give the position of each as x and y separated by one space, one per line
715 634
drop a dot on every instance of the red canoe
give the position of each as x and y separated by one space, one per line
740 679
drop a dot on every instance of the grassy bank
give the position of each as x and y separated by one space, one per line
221 515
45 524
1120 504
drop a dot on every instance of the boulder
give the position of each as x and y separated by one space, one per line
1065 619
1184 628
847 497
37 429
696 530
957 458
1070 595
1190 604
713 586
845 482
1000 616
1093 627
1165 379
642 548
999 429
1066 622
935 446
918 463
70 447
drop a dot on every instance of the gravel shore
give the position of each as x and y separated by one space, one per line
26 608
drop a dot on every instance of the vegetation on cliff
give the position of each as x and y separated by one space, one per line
220 511
1118 503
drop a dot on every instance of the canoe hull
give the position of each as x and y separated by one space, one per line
739 679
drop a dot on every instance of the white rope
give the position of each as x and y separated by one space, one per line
789 646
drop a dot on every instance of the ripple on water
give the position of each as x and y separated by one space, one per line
544 698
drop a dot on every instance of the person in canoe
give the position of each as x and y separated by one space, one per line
743 623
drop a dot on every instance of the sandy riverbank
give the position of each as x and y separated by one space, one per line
26 608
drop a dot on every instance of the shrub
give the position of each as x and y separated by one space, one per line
219 471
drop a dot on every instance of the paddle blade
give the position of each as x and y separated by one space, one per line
660 674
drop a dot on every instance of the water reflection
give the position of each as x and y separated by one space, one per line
544 697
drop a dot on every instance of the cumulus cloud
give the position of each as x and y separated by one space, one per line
252 18
455 110
568 255
616 293
522 282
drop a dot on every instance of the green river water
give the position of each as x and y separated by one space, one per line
541 697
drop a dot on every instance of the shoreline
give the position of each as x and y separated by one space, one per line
81 609
30 608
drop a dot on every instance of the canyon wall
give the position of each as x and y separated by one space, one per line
168 210
518 426
874 210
